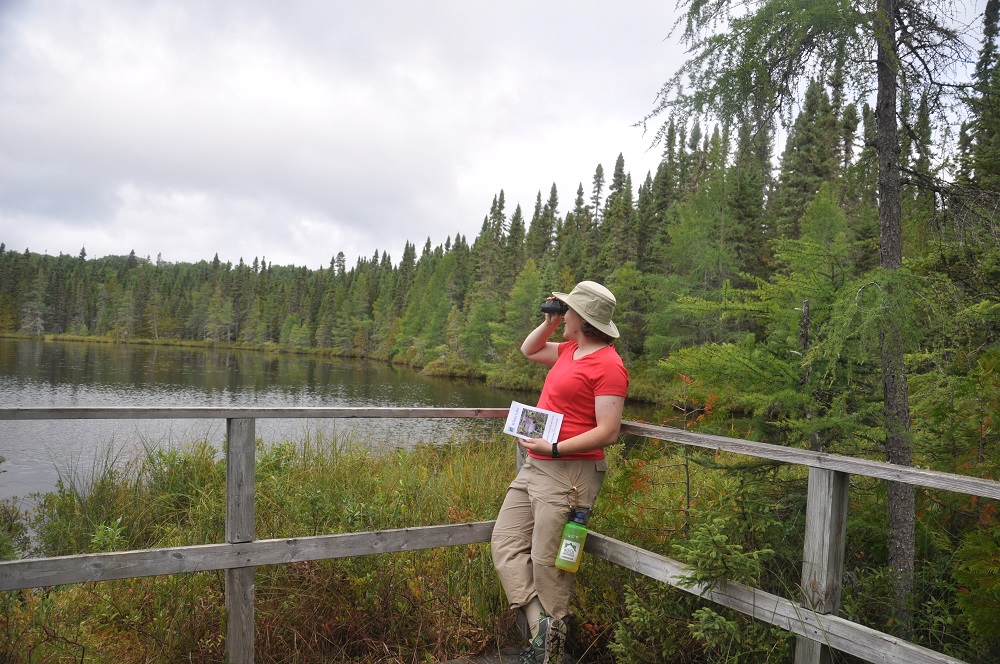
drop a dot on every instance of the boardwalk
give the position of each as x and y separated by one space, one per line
505 656
811 617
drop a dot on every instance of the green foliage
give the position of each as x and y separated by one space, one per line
712 558
703 222
14 539
520 318
654 627
108 537
375 608
729 521
750 305
978 574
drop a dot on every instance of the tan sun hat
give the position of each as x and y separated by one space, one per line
594 303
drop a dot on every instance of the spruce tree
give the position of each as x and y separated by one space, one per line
596 191
756 61
984 104
749 177
543 225
810 159
535 243
514 250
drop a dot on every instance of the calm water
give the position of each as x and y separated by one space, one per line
40 374
53 373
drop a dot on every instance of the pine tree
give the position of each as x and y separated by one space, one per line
536 241
617 240
543 224
553 222
984 104
521 315
703 221
596 191
406 268
645 221
749 177
573 241
918 203
756 61
810 159
514 250
220 319
34 309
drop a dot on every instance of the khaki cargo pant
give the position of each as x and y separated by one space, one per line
529 528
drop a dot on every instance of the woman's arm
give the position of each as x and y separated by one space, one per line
537 347
608 410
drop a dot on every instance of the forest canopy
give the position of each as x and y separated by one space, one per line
764 291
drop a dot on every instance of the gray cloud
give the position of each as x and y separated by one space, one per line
296 131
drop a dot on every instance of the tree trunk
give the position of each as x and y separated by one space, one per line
901 511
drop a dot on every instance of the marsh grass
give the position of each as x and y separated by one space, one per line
712 511
412 606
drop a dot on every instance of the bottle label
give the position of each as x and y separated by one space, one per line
569 551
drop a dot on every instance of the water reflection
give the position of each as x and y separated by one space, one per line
50 374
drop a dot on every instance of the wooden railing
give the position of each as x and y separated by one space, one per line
812 618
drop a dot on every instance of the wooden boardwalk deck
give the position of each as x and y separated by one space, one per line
505 656
814 622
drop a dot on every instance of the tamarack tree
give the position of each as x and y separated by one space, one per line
748 64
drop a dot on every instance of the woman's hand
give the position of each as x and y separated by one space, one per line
553 319
608 410
538 446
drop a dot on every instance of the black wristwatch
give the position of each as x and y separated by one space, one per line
555 450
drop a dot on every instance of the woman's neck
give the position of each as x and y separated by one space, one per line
586 345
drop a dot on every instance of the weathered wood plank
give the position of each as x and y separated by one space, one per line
130 413
240 491
61 570
916 476
823 553
823 546
239 615
240 554
849 637
240 458
503 656
908 475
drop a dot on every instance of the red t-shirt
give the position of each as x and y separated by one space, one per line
570 388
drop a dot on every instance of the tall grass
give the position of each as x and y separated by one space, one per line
723 516
404 607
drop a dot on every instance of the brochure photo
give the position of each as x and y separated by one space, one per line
526 421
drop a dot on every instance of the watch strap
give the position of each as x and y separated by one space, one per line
555 451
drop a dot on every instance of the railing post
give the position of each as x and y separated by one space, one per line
823 555
240 451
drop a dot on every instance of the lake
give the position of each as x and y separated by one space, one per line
37 373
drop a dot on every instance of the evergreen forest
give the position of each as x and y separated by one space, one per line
757 296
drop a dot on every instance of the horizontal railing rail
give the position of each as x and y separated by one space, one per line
87 567
212 412
932 479
812 620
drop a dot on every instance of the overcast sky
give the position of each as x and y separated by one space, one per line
295 130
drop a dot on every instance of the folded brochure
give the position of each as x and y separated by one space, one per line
526 421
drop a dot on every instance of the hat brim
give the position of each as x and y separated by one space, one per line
608 328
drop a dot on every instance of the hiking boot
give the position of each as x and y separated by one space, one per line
555 642
534 652
521 620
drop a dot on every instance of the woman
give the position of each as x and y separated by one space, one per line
587 383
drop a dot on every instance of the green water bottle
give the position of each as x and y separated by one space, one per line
571 547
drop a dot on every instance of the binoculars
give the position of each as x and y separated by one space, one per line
554 306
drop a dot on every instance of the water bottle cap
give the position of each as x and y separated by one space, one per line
579 516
